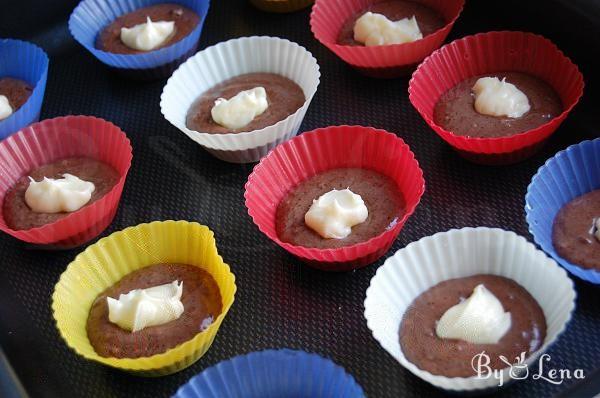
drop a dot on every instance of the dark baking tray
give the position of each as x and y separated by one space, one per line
280 302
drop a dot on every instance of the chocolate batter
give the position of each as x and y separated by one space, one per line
186 20
455 110
283 95
428 19
19 216
17 91
573 232
201 300
452 358
381 196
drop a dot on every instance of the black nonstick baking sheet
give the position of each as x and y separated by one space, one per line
280 302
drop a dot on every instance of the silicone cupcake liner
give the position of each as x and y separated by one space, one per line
328 17
281 6
27 62
59 138
104 263
325 149
461 253
273 374
91 16
569 174
229 59
487 53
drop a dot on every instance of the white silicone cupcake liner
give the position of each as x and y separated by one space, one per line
229 59
461 253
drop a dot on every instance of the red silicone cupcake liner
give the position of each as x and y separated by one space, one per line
328 17
324 149
54 139
490 53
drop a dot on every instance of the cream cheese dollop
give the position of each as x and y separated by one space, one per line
66 194
334 213
480 319
241 109
596 228
495 97
148 35
5 109
374 29
141 308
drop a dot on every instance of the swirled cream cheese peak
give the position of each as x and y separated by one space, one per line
141 308
148 35
495 97
480 319
334 213
241 109
66 194
5 109
373 29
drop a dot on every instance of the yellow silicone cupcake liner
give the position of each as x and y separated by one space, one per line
104 263
281 6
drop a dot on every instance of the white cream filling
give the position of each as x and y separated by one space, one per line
147 36
5 109
495 97
374 29
480 319
241 109
595 230
141 308
334 213
66 194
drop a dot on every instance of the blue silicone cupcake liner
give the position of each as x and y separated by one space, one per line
91 16
27 62
569 174
272 374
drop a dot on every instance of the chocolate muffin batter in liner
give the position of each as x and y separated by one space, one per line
403 304
124 256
